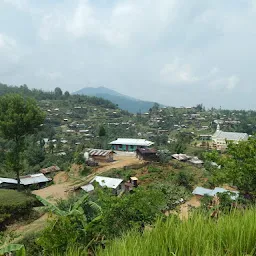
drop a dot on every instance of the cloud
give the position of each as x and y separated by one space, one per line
9 54
120 25
178 72
134 46
228 83
52 75
19 4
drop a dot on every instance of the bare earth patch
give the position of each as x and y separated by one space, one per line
64 185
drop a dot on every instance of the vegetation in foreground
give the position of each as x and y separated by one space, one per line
15 205
232 234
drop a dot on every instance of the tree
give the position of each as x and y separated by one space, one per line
19 117
51 146
66 94
102 131
121 214
102 135
58 92
238 165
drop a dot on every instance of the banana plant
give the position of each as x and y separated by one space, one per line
76 210
19 250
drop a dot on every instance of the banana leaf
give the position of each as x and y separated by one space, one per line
19 249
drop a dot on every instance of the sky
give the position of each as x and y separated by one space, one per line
175 52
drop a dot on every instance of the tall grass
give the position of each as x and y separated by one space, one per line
233 234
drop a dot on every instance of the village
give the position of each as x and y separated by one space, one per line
83 148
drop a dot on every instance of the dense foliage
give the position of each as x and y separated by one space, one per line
14 205
237 166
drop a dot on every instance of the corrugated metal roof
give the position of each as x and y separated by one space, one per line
53 168
99 152
7 180
132 142
213 192
232 136
107 182
222 190
202 191
33 179
196 160
88 188
181 157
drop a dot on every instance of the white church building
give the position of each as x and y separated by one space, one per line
221 138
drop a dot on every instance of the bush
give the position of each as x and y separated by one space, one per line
153 169
32 248
15 205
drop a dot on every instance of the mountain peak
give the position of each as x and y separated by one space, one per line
124 102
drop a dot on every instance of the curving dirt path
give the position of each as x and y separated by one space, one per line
63 185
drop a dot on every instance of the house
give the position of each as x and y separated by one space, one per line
38 178
117 185
221 138
124 144
147 154
101 155
24 180
8 183
50 169
200 192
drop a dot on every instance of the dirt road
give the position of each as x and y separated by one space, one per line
64 185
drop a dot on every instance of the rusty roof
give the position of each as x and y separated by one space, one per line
99 152
50 169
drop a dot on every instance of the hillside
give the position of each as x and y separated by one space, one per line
124 102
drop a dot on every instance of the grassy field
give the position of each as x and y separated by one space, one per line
233 234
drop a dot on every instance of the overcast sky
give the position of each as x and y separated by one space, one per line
176 52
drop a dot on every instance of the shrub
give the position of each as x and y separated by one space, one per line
15 205
32 248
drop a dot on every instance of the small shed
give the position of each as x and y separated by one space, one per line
8 183
50 169
200 192
181 157
196 161
88 188
101 155
147 154
38 178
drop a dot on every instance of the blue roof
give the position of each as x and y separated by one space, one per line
202 191
213 192
222 190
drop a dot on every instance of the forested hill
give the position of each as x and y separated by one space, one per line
57 94
124 102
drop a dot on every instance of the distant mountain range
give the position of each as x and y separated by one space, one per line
124 102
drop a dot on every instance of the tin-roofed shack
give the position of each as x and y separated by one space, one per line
50 169
101 155
8 183
38 178
147 154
